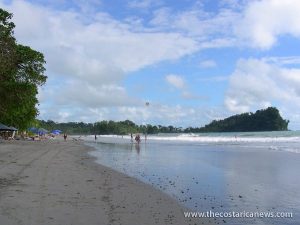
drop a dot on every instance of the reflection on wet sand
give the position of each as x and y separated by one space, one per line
219 178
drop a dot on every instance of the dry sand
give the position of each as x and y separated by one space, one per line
56 182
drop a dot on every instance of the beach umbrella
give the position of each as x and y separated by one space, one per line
4 128
40 131
56 132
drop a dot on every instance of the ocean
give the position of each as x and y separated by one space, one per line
218 172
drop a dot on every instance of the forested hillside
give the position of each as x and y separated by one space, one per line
262 120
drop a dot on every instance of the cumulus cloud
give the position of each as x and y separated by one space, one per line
208 64
211 29
155 113
89 58
171 114
144 4
86 95
176 81
85 6
233 4
255 23
104 42
213 79
187 95
284 60
257 84
264 21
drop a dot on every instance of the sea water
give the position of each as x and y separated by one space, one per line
219 172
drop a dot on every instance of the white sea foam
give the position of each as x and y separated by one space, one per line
227 139
283 143
293 150
206 139
285 149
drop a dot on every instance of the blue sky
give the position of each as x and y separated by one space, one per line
193 61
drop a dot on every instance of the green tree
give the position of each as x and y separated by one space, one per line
21 73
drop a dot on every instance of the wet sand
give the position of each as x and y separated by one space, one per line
56 182
216 177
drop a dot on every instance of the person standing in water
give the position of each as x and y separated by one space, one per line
137 138
65 136
95 137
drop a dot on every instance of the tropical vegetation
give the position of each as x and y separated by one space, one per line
262 120
21 74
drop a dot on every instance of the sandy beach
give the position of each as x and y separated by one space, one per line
56 182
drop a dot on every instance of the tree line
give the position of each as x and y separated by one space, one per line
262 120
107 127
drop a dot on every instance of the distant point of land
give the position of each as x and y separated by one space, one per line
262 120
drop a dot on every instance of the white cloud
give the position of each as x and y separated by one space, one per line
83 94
85 6
282 61
264 21
179 83
234 4
170 115
89 6
161 17
212 30
155 113
187 95
91 57
176 81
208 64
196 24
251 23
105 42
144 4
258 84
213 79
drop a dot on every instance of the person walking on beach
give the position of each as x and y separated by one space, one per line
65 136
138 138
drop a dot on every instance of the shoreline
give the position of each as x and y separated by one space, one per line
56 182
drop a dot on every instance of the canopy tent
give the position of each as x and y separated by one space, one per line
9 132
13 129
39 131
5 128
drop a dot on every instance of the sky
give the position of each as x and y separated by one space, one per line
193 61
